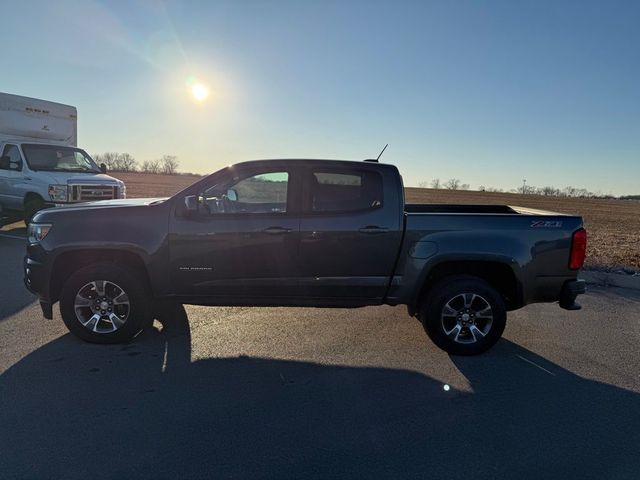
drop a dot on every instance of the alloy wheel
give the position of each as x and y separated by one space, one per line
467 318
102 306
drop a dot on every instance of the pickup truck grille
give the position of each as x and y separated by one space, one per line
89 193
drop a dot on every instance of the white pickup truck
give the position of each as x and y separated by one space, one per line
40 164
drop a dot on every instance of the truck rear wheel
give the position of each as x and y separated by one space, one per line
105 303
463 315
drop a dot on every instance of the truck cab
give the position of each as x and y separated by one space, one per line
40 163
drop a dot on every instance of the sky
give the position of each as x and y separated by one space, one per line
490 92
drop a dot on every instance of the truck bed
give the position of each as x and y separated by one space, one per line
534 243
473 209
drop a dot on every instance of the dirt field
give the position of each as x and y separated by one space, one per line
613 225
142 185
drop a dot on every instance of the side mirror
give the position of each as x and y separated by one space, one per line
15 165
232 195
190 205
103 168
5 162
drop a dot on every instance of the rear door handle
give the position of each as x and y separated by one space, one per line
276 230
373 229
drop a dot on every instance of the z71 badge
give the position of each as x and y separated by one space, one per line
546 224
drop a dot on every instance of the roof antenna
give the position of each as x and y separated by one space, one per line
377 159
385 147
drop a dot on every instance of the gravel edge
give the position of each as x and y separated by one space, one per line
611 279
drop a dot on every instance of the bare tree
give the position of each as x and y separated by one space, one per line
151 166
423 184
127 163
465 186
117 162
110 159
452 184
435 183
169 164
584 193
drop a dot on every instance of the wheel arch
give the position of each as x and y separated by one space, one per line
68 262
30 195
500 275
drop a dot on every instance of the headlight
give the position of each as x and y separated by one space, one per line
37 231
123 191
58 193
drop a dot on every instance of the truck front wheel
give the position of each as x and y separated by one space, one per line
463 315
32 206
105 303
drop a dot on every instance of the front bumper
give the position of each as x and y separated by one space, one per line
32 275
35 276
570 290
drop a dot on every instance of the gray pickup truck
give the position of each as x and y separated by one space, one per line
318 233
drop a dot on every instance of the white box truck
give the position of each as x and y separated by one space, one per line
40 164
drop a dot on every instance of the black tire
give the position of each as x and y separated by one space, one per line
31 207
139 311
442 313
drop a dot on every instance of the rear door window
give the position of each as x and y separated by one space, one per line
345 191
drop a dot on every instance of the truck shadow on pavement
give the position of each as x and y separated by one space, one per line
76 410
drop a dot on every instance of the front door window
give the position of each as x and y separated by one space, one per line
257 194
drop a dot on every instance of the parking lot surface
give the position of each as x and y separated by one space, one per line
310 393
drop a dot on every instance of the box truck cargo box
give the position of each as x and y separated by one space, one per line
39 120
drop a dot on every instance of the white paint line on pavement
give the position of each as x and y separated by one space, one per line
15 237
164 359
535 365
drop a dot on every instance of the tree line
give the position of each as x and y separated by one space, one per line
124 162
547 191
451 184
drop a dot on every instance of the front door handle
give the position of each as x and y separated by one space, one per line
276 230
373 229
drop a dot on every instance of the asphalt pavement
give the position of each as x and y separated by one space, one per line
313 393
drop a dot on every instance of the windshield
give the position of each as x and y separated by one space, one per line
59 159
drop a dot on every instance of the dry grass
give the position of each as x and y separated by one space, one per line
613 225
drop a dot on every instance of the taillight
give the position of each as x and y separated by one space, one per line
578 249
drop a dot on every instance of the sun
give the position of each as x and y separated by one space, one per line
200 91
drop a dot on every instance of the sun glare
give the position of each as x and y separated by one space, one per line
199 91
